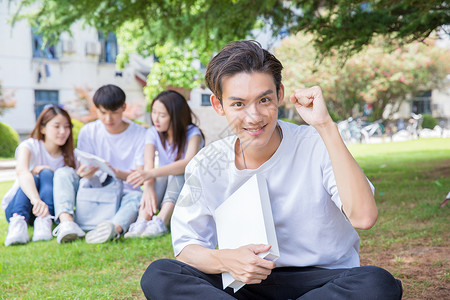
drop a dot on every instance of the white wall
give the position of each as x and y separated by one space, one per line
196 96
18 70
214 127
440 104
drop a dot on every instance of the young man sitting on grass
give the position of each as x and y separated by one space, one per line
318 195
118 141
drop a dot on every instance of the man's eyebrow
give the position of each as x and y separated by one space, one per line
265 93
260 96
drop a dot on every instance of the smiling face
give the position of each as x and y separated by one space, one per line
160 117
57 130
250 104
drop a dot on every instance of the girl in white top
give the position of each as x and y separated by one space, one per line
177 140
49 147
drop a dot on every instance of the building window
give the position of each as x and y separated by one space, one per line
205 100
39 51
421 103
43 98
109 48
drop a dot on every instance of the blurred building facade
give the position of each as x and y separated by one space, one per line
433 102
55 75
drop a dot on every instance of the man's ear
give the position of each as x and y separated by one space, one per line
281 94
215 103
124 106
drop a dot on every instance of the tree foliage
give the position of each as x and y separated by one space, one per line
373 75
345 25
348 25
206 24
173 68
149 26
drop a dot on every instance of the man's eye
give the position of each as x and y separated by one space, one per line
237 104
265 100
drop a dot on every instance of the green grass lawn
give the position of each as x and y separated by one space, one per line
411 180
411 237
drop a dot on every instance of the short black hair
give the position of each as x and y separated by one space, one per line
241 56
110 97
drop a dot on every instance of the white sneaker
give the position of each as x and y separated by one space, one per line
17 231
103 232
43 228
67 231
155 227
136 229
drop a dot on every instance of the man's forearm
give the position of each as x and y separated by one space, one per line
201 258
122 174
354 189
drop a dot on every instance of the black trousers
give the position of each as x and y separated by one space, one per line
171 279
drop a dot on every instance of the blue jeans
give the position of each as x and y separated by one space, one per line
168 188
66 183
21 204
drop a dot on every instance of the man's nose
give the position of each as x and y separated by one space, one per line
254 114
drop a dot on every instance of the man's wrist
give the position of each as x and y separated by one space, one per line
122 175
116 172
326 128
219 257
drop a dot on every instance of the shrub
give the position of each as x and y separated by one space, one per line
9 140
75 130
429 121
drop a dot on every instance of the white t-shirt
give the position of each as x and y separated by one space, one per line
168 155
123 151
38 157
310 226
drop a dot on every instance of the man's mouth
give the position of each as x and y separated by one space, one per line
255 130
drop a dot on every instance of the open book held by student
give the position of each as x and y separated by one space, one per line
246 218
92 160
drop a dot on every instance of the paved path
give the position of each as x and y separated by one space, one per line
7 170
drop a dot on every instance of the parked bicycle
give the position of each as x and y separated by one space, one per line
414 125
372 129
350 130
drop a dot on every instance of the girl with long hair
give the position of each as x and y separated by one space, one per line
49 147
176 139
